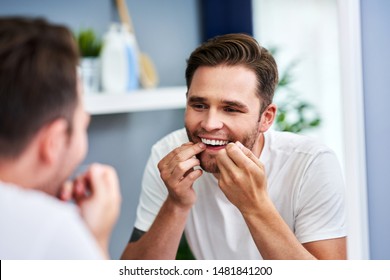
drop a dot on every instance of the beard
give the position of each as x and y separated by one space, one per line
208 161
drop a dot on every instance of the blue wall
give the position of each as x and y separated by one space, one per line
168 31
74 14
376 77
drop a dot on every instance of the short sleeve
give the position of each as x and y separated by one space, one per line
320 210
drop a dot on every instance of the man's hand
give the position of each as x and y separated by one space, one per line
178 173
242 178
97 194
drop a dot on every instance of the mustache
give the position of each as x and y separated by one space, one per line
217 135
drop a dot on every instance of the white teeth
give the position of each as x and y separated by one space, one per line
214 142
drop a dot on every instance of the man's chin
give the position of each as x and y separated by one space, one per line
210 168
208 163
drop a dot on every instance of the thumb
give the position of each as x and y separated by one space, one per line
249 154
66 191
104 181
96 174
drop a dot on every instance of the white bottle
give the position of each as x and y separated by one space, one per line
114 61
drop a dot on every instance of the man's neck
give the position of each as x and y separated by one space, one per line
259 145
20 171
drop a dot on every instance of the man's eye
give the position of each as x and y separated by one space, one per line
198 106
231 110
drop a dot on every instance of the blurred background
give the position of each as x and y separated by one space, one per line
332 56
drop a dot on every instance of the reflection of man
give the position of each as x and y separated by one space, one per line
260 193
42 139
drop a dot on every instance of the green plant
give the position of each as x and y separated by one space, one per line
89 44
294 113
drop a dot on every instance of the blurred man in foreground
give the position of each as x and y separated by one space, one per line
43 138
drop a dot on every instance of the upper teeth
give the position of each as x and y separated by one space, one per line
213 142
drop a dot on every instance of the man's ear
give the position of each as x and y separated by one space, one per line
53 138
267 118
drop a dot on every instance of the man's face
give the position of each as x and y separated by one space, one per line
222 107
76 145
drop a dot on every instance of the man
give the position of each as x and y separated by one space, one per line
42 139
259 193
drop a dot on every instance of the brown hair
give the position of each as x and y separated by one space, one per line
237 49
38 79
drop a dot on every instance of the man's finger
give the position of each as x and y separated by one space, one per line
180 154
66 191
183 168
232 151
188 151
225 162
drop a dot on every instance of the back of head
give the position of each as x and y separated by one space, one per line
38 79
237 49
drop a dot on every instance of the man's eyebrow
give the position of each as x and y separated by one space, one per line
196 99
236 104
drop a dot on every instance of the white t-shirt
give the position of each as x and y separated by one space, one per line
304 182
35 225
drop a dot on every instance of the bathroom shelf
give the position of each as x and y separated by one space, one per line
135 101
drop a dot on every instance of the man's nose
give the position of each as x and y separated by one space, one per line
212 121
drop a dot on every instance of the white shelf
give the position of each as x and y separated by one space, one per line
135 101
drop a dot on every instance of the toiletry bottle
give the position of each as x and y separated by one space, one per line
115 61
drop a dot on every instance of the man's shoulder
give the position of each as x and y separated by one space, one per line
33 202
287 141
35 216
173 139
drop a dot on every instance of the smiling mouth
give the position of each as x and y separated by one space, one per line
213 142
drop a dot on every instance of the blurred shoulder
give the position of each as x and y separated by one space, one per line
294 143
173 139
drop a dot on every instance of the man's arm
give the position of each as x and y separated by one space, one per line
162 240
330 249
243 181
275 240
